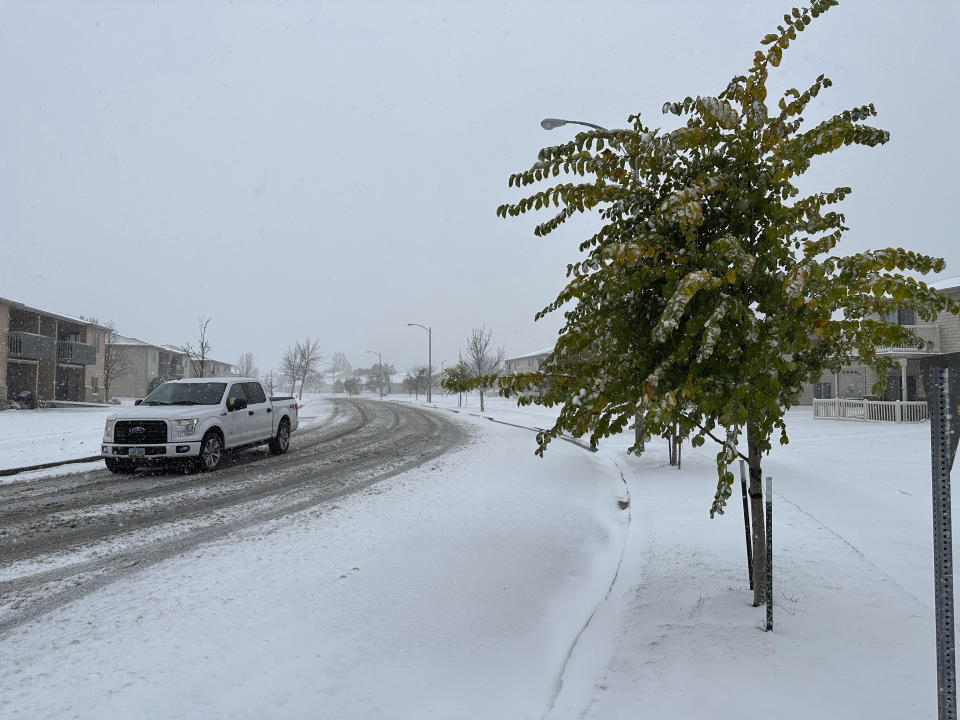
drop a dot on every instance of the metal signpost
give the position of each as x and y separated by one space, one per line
942 458
769 553
941 378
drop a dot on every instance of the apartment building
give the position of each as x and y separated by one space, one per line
529 362
139 365
54 357
942 336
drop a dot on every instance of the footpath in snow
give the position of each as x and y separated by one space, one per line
491 583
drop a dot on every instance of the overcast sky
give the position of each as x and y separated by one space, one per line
332 169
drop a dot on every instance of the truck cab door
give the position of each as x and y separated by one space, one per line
237 422
260 413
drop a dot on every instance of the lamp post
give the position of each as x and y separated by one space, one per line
550 124
429 357
379 371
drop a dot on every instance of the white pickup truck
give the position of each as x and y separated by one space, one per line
200 419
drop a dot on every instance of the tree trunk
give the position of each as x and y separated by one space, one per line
755 491
638 433
481 401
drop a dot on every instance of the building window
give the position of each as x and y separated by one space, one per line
823 391
903 316
95 384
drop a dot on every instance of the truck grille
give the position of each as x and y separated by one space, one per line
140 432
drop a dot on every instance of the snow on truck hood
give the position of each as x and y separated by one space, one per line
158 412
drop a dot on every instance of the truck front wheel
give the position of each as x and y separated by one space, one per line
211 452
122 467
280 444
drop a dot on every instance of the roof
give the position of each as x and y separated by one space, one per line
544 351
136 342
59 316
119 339
946 283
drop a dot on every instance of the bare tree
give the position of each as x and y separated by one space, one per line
270 379
115 361
481 358
338 364
308 356
245 366
198 356
289 368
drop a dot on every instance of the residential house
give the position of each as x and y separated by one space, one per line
54 357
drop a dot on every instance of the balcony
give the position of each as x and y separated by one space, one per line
930 334
30 346
78 353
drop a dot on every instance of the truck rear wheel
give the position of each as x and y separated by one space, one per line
211 452
281 443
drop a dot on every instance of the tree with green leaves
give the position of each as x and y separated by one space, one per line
456 379
711 292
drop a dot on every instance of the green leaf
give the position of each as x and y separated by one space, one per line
774 55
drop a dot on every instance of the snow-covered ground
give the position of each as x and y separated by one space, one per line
494 584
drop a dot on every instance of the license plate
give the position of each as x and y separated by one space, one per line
137 452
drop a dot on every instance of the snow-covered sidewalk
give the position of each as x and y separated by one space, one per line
477 587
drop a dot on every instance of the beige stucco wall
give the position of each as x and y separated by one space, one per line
95 335
133 381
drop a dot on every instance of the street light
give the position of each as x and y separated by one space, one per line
379 370
429 357
551 123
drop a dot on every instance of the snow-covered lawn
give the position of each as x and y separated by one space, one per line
33 437
493 584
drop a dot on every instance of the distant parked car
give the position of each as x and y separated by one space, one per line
197 419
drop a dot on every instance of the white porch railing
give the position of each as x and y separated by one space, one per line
930 334
872 410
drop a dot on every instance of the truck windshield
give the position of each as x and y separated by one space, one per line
173 393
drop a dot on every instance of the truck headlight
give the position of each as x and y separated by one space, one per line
186 427
108 430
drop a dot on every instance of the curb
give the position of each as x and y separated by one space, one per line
569 439
44 466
